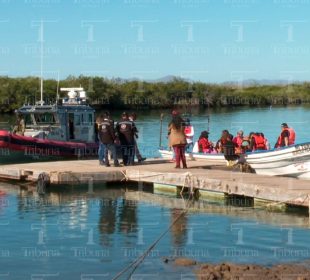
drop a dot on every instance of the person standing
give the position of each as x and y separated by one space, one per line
101 146
133 117
126 131
189 133
177 140
19 127
107 137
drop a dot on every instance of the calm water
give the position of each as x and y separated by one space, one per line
267 120
74 235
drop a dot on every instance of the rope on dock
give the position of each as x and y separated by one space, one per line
134 264
307 196
126 178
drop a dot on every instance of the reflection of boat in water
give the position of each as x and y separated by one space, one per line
292 161
64 130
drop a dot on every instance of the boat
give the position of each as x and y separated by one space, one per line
64 130
216 159
292 161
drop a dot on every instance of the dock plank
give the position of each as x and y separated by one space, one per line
200 175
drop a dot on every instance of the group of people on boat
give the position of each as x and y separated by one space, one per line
181 140
118 138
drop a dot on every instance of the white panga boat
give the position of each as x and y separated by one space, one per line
292 161
217 159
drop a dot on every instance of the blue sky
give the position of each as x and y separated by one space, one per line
206 40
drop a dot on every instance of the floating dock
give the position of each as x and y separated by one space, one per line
201 177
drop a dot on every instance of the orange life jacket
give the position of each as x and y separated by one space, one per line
260 142
238 141
291 138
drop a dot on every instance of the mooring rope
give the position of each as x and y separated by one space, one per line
135 264
289 200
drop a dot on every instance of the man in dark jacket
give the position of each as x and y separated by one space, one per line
107 137
126 131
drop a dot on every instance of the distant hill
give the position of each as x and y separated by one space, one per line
263 82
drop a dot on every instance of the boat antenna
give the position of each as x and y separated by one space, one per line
57 91
41 82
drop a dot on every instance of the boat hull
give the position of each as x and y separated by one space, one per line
18 149
292 161
213 158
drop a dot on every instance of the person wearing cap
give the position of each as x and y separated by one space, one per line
126 130
287 136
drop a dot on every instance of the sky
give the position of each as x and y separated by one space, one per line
202 40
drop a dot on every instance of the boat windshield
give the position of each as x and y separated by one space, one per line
28 120
45 118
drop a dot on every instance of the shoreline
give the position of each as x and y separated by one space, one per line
229 271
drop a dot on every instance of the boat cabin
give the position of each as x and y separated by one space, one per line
71 119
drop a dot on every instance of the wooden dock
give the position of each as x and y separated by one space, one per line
209 181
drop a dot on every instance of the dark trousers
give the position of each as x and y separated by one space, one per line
128 153
137 152
179 151
112 149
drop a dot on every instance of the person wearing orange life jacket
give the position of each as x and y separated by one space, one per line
258 142
238 140
287 136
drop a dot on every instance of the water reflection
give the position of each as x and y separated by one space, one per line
109 228
179 228
107 221
128 220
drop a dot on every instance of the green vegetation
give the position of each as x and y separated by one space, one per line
121 94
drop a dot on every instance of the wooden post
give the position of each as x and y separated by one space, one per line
161 129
